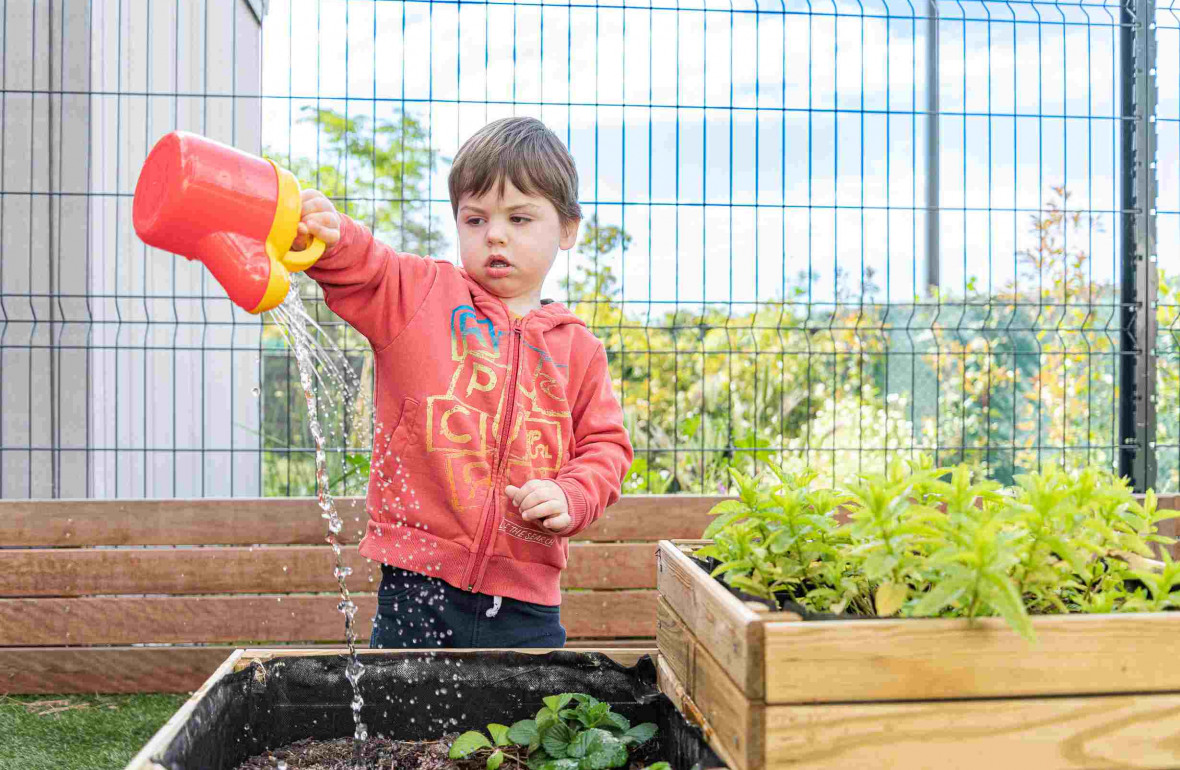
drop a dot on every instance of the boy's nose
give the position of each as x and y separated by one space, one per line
497 234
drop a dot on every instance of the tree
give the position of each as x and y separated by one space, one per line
376 171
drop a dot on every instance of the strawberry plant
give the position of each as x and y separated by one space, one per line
925 541
562 736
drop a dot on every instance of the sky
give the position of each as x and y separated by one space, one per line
741 150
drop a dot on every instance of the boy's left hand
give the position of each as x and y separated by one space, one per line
541 499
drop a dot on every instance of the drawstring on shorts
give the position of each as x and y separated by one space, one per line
491 613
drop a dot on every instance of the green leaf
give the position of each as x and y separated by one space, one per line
1006 601
525 733
658 766
611 753
555 738
499 733
559 764
732 565
720 523
467 743
616 721
939 596
557 702
495 760
537 758
596 713
707 551
728 506
642 733
587 742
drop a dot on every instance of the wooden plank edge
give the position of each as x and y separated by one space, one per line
624 656
699 600
670 686
145 759
295 521
840 643
760 615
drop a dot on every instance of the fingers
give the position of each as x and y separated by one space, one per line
518 494
537 499
326 227
556 523
318 218
543 511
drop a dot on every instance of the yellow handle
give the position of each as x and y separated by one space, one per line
298 261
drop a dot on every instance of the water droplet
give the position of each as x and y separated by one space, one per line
256 391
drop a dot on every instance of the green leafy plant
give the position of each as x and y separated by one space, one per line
571 731
925 541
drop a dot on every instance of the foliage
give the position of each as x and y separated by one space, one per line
374 171
926 541
588 736
1009 377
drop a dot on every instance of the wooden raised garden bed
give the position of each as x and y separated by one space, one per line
269 688
770 690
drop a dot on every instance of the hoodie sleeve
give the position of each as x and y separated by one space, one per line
593 478
370 285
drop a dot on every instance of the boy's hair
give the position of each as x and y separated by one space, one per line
525 151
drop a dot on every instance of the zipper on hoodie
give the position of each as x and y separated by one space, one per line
505 431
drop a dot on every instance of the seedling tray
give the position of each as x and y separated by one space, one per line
264 699
771 690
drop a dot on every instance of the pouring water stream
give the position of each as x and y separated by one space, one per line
301 332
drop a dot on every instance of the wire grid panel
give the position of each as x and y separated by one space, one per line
819 234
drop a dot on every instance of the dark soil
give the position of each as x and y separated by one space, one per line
386 754
373 754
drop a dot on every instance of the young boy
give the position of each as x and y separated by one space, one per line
497 435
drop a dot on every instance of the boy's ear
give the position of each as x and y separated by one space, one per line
569 234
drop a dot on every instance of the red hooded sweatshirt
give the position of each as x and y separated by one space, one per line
470 400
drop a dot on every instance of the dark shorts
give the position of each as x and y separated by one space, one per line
415 610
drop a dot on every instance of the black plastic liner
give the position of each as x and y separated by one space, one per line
417 696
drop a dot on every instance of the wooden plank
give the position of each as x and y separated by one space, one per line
289 618
263 569
739 723
286 521
730 631
682 699
1046 733
107 669
40 670
159 742
919 659
675 643
624 656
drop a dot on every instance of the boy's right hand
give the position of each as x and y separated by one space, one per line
318 218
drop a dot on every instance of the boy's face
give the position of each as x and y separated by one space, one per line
508 243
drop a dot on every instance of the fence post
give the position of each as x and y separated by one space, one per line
1139 280
933 160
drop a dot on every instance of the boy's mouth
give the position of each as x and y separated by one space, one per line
498 267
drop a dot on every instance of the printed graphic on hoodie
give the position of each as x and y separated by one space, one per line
464 424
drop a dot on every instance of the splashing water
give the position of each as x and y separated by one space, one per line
304 336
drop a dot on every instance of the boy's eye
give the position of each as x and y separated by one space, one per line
520 220
475 220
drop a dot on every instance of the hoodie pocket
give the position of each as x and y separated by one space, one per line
396 440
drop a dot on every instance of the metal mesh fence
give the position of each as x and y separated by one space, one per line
819 234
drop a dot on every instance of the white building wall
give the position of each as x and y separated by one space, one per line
124 371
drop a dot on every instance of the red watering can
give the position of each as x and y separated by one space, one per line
235 212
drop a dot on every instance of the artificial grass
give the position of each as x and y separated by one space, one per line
87 732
